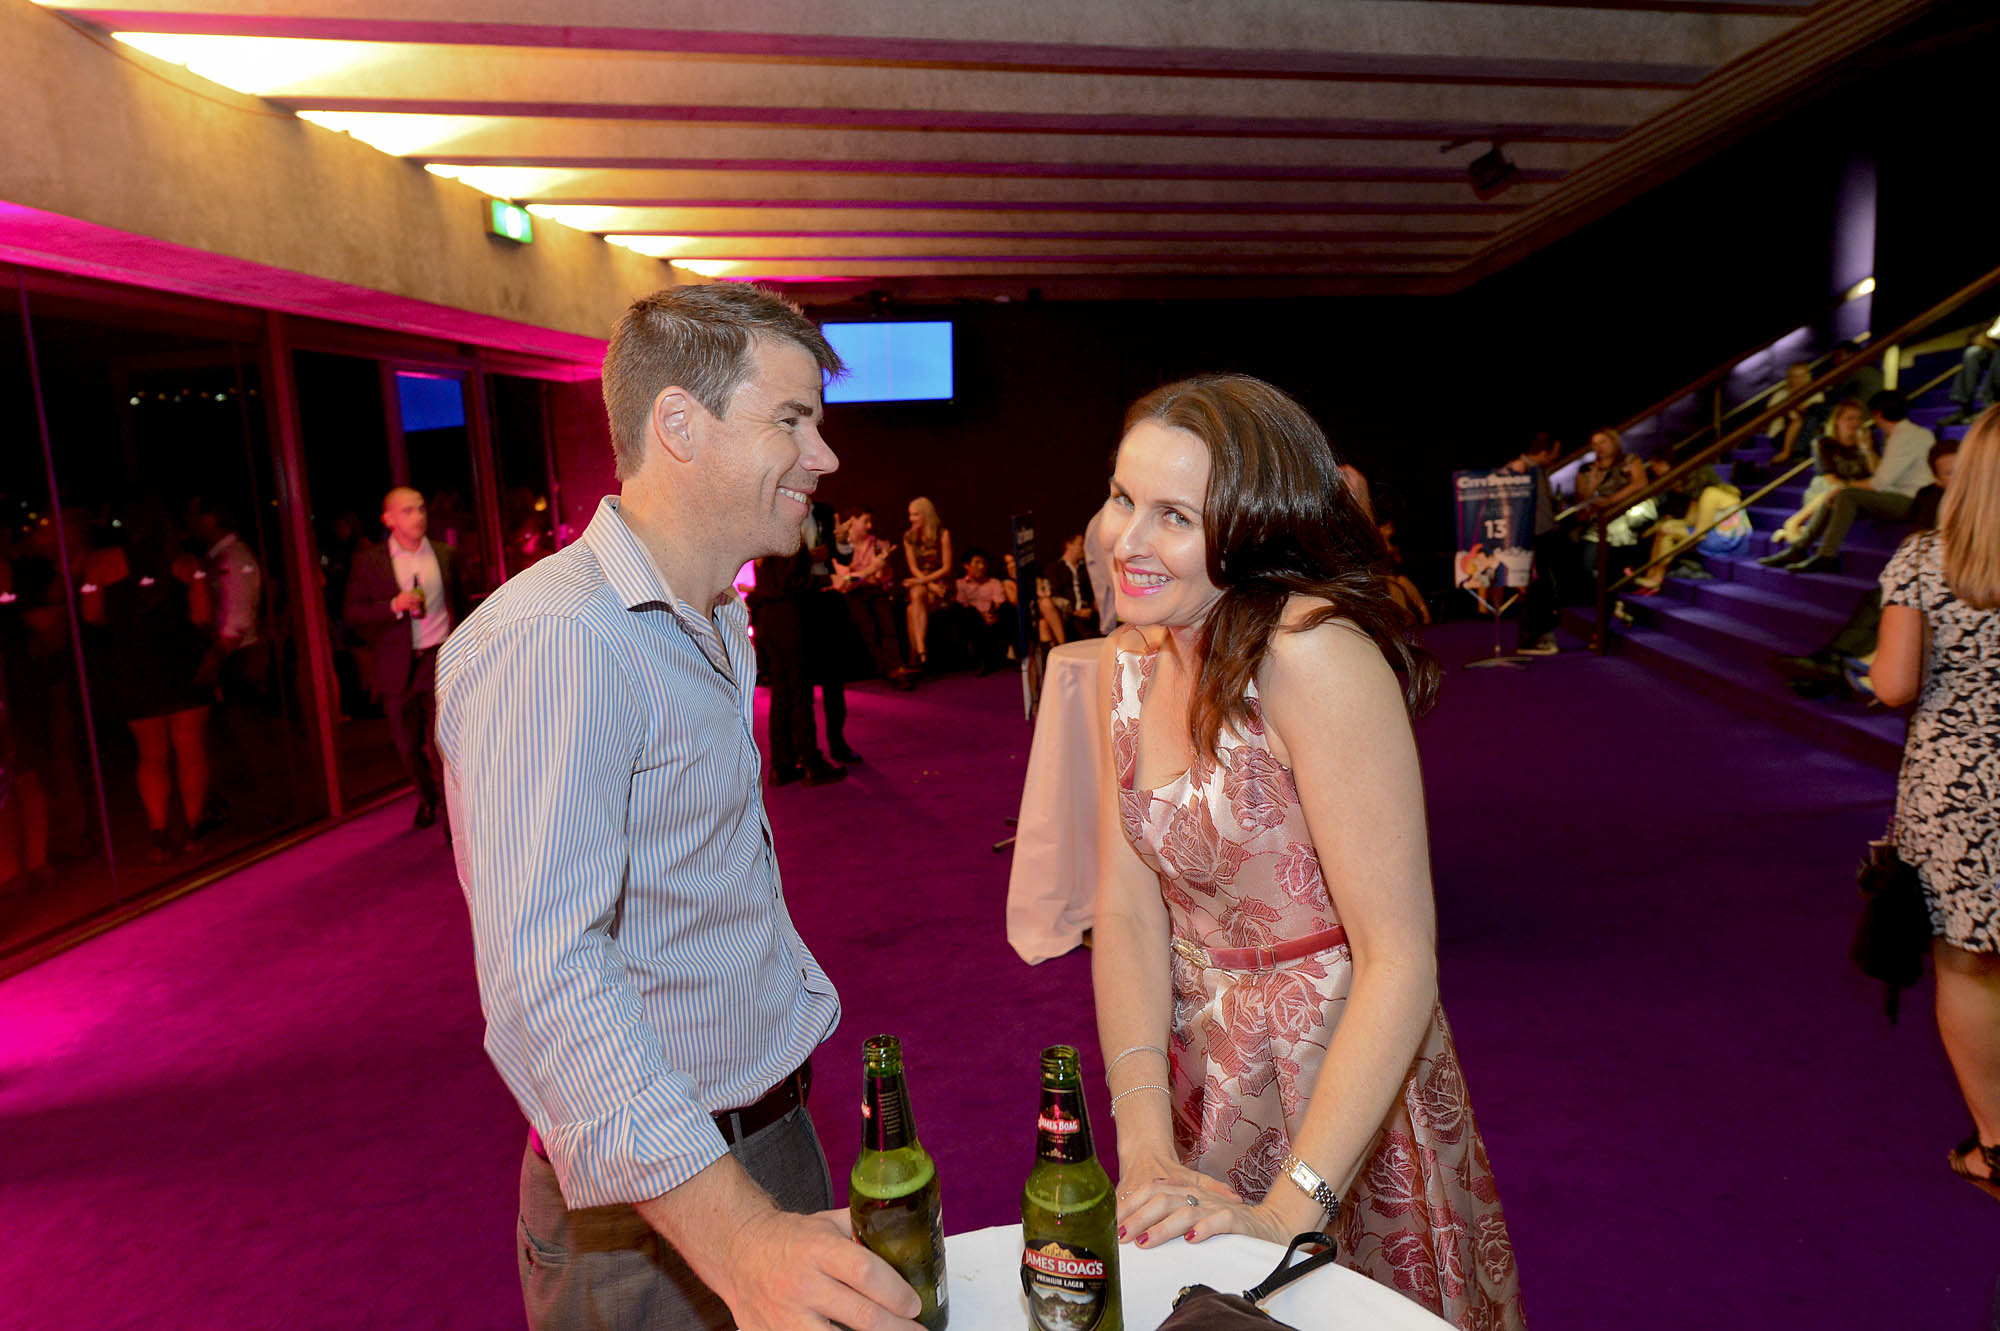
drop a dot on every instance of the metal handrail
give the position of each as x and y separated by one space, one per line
1695 538
1707 380
1819 383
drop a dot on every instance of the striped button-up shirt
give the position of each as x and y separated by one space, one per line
637 966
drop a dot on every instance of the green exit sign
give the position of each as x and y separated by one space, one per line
510 221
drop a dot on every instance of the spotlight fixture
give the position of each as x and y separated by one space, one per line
1491 173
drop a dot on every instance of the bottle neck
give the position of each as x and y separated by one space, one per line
1063 1126
885 1112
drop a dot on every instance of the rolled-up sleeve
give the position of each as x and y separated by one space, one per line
541 727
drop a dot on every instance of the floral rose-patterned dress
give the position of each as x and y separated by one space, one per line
1237 868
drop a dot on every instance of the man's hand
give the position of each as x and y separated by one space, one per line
778 1271
807 1270
405 603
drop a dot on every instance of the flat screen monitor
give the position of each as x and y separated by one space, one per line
892 362
430 401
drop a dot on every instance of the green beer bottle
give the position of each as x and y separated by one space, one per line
1069 1215
893 1192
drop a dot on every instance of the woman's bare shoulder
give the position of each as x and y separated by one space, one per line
1333 649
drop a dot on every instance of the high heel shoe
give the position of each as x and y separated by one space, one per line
1960 1160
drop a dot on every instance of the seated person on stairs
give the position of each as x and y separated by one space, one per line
1712 514
1846 452
1842 664
1885 495
1786 431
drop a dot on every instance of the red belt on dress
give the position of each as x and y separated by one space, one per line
1260 958
736 1124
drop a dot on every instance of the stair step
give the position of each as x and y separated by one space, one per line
1785 614
1866 534
1750 645
1874 736
1835 592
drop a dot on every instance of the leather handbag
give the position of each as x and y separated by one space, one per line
1894 934
1199 1308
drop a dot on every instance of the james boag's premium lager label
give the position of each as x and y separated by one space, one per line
1067 1288
1069 1215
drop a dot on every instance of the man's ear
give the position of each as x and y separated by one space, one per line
673 422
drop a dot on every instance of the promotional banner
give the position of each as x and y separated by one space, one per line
1496 528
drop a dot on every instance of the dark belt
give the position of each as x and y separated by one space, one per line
736 1124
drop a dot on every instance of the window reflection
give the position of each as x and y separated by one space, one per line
158 706
520 453
187 622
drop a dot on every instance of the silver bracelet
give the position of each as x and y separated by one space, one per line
1134 1090
1127 1053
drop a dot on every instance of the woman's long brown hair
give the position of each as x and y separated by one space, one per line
1280 522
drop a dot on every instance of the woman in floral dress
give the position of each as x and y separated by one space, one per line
1939 646
1265 959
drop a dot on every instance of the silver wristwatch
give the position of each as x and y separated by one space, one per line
1310 1183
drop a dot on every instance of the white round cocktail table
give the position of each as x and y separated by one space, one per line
983 1273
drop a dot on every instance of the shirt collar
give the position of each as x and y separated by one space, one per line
631 572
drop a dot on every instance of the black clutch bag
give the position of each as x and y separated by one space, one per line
1894 934
1199 1308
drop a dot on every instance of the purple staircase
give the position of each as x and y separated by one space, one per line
1719 634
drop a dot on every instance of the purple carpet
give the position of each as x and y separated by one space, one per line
265 1105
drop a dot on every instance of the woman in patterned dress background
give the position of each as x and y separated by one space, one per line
1940 646
1268 797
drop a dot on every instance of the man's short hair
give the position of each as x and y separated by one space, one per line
699 338
978 552
1890 405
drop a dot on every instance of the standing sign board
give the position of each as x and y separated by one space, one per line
1496 517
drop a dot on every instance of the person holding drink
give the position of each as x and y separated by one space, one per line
648 999
403 598
1265 964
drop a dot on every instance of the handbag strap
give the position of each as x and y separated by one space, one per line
1287 1273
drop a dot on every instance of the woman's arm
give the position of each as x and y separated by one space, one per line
1586 484
943 575
1899 655
1335 715
1129 972
1640 479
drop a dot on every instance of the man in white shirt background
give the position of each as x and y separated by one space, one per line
1886 495
403 598
238 658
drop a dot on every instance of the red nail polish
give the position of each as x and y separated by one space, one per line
1121 1231
1192 1236
1141 1240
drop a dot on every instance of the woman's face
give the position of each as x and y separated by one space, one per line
916 518
1152 525
1604 446
861 527
1847 425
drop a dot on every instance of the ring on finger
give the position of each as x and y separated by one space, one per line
1193 1200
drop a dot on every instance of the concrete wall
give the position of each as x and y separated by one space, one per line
101 133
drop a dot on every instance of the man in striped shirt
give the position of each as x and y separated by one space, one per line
648 1001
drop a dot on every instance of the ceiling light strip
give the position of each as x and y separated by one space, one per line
1026 57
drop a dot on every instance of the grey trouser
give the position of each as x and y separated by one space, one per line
605 1269
1839 512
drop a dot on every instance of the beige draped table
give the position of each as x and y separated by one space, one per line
983 1275
1052 888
